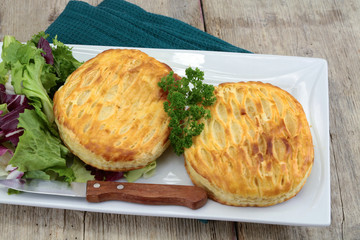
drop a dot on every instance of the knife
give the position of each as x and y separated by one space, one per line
99 191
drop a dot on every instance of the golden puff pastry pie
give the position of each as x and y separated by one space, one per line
255 150
110 110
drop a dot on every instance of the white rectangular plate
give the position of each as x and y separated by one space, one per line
305 78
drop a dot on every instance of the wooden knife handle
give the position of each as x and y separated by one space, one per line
154 194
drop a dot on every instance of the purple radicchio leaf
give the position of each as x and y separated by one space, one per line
4 150
16 104
14 173
44 45
102 175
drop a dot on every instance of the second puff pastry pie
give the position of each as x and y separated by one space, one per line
256 150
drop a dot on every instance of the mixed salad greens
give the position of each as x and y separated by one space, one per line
30 146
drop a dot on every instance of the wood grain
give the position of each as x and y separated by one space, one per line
326 29
22 19
153 194
22 222
107 226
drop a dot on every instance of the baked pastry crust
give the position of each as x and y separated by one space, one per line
257 148
110 110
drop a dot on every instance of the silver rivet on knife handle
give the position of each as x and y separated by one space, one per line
120 186
96 185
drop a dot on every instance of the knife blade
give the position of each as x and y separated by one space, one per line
99 191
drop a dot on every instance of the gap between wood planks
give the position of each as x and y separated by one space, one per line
84 226
337 176
202 14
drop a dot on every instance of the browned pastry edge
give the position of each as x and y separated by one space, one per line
213 192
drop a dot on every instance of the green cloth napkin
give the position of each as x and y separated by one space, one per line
120 23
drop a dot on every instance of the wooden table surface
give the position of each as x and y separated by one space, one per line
326 29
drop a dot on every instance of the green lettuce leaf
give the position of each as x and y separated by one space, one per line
146 172
3 109
64 63
13 191
37 174
80 172
9 50
61 174
3 73
39 150
26 80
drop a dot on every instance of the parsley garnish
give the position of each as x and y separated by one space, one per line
185 106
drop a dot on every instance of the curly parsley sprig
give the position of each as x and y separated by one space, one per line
187 98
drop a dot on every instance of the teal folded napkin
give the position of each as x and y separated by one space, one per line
120 23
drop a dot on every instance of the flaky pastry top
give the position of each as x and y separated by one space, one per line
257 144
112 108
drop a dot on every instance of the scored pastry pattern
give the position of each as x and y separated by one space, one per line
256 145
116 110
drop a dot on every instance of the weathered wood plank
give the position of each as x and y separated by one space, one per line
22 19
22 222
113 226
